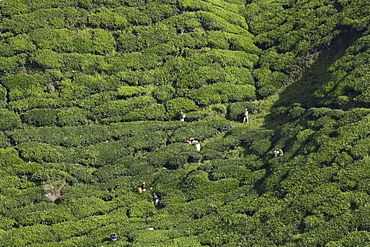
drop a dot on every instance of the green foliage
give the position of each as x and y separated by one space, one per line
40 117
127 91
163 93
268 81
12 64
48 59
9 120
21 86
235 110
96 99
105 18
121 107
38 152
152 112
184 104
89 99
102 42
51 18
28 235
21 43
4 141
222 93
296 111
201 130
72 116
174 156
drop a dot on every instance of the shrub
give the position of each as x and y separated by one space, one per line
277 61
59 40
121 107
84 206
28 235
209 154
222 171
260 147
96 99
3 94
319 112
72 116
224 144
47 175
221 93
21 86
89 83
235 110
21 43
201 130
12 164
352 175
153 238
153 112
66 136
201 75
296 112
4 141
164 93
6 223
103 41
357 238
40 117
72 90
9 119
105 18
206 95
269 81
48 59
86 63
36 151
174 155
50 17
184 104
195 183
35 102
127 91
46 217
103 153
219 108
196 116
142 209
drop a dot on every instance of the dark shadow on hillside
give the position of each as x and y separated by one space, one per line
302 92
317 75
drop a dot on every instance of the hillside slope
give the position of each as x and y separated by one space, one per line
90 96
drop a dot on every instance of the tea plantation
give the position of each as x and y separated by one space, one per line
91 97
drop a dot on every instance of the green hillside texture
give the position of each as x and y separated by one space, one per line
90 101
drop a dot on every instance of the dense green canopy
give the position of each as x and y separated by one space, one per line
90 100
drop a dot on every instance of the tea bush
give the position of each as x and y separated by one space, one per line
201 130
121 107
28 235
153 112
90 94
105 18
236 109
9 120
40 117
184 104
35 151
222 93
52 18
72 116
174 156
163 93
